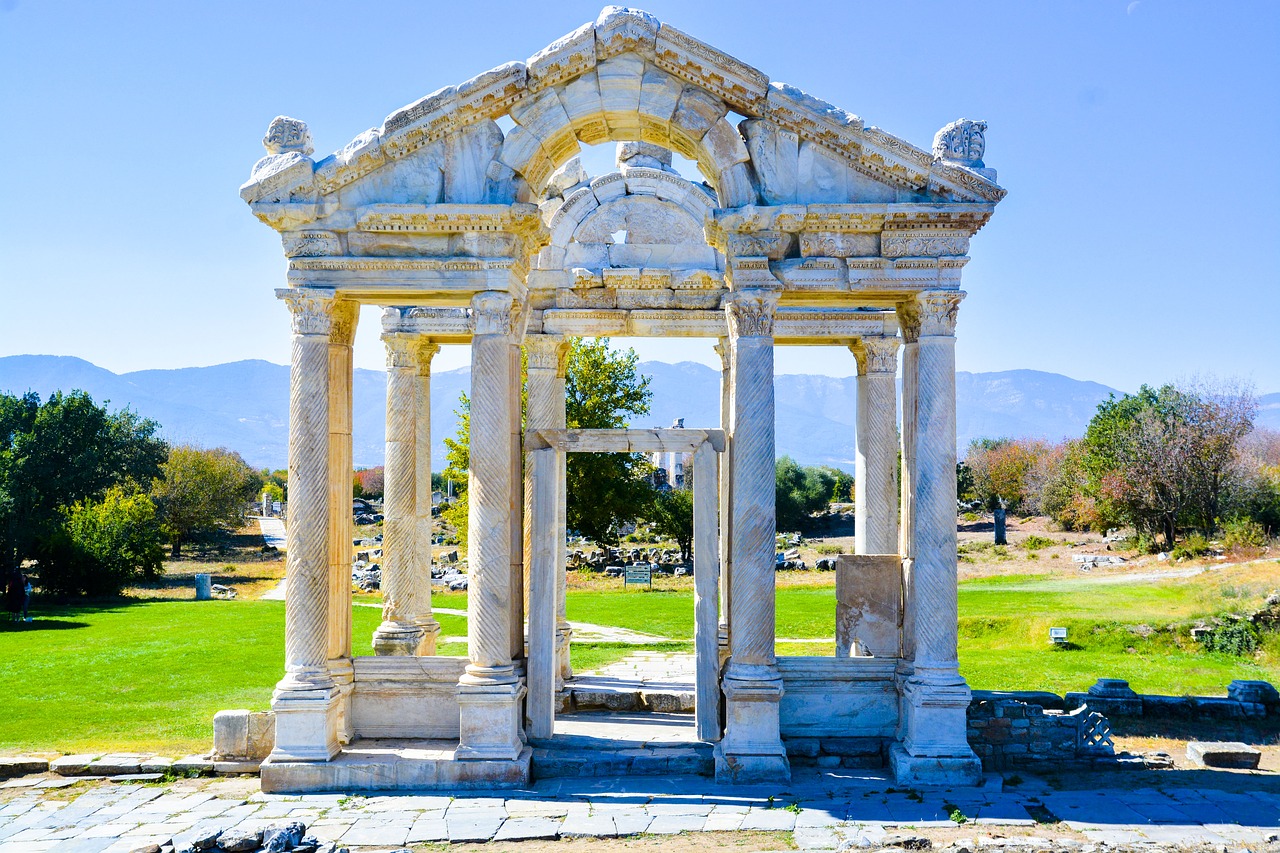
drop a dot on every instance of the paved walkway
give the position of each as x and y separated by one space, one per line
824 809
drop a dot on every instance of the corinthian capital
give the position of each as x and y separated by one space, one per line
311 309
493 313
425 350
751 313
877 355
546 352
402 349
938 311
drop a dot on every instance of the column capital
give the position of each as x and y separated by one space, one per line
402 349
346 314
937 309
751 313
311 309
546 352
424 351
876 355
722 350
493 313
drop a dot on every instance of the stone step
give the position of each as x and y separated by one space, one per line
618 695
687 759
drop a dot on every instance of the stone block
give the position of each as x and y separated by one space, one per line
156 764
20 765
1216 708
1260 692
668 702
868 605
200 765
1224 754
72 765
116 764
1178 707
802 746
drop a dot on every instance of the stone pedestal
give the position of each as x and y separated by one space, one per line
752 749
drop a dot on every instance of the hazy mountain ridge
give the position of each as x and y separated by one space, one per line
244 405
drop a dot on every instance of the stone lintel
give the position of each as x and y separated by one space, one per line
624 440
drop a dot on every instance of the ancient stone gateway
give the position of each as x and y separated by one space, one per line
811 228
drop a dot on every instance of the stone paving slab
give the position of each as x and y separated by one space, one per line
824 810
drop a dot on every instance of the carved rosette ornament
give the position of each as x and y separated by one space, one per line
938 311
751 313
311 310
493 313
877 355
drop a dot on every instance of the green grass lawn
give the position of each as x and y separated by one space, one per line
149 675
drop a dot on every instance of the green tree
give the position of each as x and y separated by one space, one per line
800 491
64 451
672 515
199 491
104 545
602 391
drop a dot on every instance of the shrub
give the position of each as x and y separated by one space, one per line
103 546
1238 637
1243 534
827 550
1035 543
1193 546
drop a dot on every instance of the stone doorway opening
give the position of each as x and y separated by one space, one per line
547 450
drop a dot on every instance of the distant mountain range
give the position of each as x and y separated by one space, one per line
244 405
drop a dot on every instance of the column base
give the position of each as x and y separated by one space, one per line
918 770
343 675
752 749
307 723
934 704
430 633
490 716
397 638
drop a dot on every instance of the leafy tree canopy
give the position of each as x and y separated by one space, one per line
199 491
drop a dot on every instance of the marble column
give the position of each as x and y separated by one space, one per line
490 691
545 409
306 699
341 525
402 587
515 457
726 496
424 352
752 749
876 483
934 748
909 323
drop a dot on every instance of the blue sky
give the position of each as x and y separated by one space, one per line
1138 141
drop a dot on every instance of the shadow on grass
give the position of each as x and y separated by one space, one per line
1262 732
40 624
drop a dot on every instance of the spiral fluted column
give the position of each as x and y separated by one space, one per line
400 633
752 747
305 700
934 747
489 693
876 483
